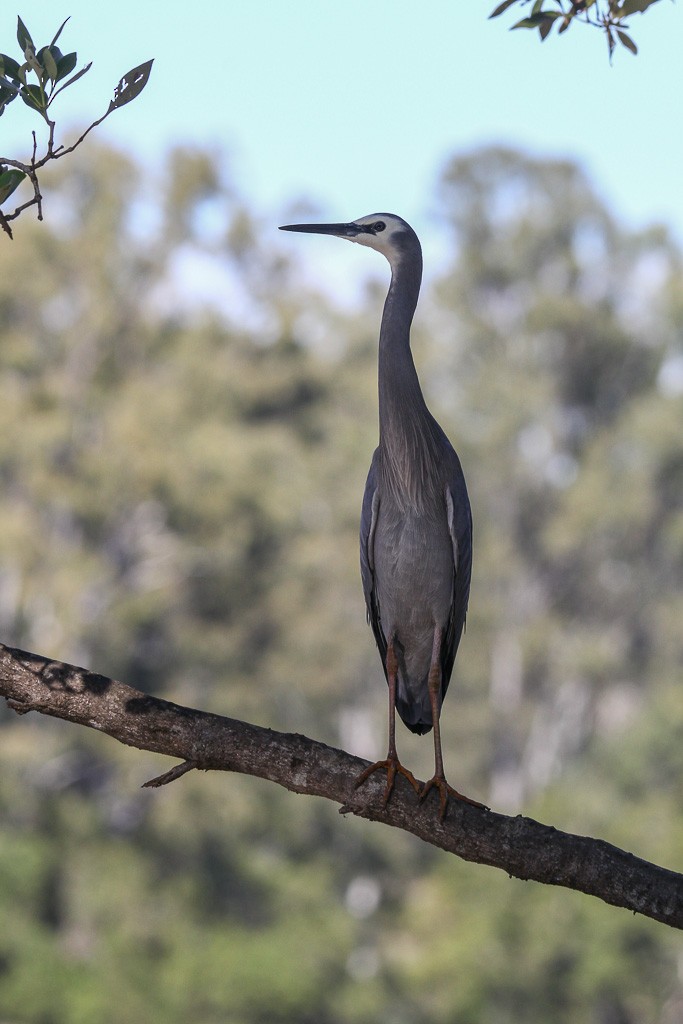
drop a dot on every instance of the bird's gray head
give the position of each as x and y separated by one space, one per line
386 232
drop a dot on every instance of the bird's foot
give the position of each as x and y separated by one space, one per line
392 765
446 791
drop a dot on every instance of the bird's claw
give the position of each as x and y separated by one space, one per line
446 791
392 765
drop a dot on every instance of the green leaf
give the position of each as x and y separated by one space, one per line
536 20
59 32
7 90
24 36
627 41
66 65
54 50
9 181
533 21
545 27
8 66
70 81
48 61
634 7
6 96
33 97
74 78
131 85
502 7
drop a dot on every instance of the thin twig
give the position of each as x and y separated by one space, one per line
55 154
4 225
171 775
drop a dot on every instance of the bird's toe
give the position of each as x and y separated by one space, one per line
445 792
393 767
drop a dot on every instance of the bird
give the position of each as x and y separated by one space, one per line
416 521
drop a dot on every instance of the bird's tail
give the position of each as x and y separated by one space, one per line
415 711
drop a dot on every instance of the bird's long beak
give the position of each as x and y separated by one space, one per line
340 230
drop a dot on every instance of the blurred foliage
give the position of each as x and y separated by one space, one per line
184 436
609 16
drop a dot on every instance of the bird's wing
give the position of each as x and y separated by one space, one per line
460 529
368 523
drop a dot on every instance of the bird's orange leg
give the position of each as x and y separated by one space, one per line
392 763
438 780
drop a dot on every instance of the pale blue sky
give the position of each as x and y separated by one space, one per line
357 103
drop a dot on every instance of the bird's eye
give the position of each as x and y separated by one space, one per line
379 225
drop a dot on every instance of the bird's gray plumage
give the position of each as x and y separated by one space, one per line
416 525
414 579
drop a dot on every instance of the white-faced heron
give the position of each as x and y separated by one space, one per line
416 524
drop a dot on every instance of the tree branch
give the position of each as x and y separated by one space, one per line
520 846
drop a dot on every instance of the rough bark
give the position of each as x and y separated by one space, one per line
520 846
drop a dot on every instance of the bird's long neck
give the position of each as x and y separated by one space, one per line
406 428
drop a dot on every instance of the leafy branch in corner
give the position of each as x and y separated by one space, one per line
45 73
607 15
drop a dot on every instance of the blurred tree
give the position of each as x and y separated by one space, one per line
558 343
183 442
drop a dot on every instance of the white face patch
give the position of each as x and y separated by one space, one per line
381 240
385 232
